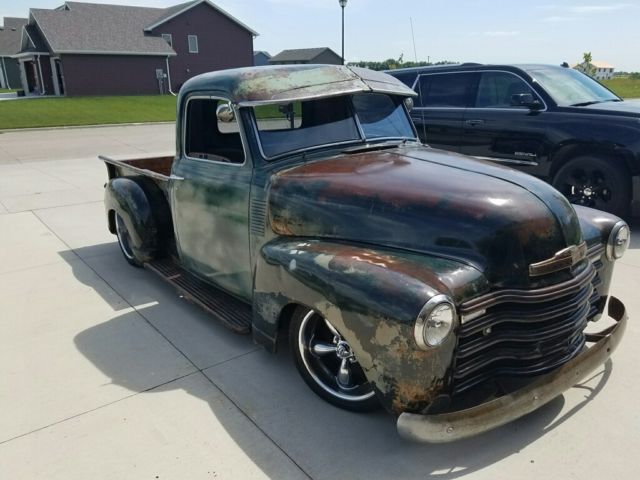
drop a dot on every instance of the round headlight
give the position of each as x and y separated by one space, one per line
619 239
435 322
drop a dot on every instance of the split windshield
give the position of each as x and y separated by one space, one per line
568 87
300 125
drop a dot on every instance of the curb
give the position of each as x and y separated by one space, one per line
72 127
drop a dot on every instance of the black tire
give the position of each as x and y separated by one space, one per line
597 183
124 241
334 374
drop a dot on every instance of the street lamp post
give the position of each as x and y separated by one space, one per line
343 3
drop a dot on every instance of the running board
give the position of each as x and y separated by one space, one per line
233 313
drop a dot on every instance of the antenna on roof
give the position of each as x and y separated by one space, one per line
415 55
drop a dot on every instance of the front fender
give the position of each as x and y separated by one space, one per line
373 297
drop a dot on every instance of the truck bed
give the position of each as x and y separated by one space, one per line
158 168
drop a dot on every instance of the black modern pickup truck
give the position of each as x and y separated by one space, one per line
552 122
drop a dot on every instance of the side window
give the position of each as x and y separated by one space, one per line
445 89
208 138
193 43
496 89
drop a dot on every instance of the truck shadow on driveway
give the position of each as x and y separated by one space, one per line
322 439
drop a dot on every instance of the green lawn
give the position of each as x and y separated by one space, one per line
624 87
7 90
53 112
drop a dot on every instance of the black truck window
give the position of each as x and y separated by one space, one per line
496 89
450 90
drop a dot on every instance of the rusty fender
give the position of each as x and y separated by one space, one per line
373 297
139 202
461 424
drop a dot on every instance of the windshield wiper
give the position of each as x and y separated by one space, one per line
593 102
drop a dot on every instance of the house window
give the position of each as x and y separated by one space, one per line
193 44
168 38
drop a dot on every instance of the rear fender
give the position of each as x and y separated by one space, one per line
140 204
373 298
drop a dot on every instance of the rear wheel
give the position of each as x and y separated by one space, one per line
595 182
327 363
124 240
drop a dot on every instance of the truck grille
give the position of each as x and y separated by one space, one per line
526 332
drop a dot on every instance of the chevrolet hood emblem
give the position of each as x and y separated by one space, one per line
565 258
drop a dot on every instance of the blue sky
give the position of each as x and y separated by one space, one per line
458 30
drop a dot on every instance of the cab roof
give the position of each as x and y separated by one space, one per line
286 83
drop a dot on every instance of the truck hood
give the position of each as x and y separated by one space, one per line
626 106
430 201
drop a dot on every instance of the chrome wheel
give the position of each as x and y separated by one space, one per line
124 240
329 365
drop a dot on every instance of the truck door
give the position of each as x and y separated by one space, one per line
440 109
210 190
497 129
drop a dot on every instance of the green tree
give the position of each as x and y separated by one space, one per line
586 66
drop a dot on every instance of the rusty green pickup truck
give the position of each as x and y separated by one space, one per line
300 206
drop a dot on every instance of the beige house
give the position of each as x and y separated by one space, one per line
599 70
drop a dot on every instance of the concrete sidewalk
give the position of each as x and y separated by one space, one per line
106 373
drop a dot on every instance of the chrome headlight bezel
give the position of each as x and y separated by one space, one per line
618 241
436 305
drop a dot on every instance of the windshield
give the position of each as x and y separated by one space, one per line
309 124
568 87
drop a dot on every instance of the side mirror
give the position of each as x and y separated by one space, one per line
525 100
408 102
225 113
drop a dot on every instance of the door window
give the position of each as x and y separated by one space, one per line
208 138
449 90
496 90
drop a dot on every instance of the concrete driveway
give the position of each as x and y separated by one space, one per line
106 373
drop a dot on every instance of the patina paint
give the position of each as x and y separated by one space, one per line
210 203
394 199
365 239
139 202
373 297
282 83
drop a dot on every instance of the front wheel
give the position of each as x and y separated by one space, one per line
597 183
327 363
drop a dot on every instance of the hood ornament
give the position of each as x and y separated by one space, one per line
565 258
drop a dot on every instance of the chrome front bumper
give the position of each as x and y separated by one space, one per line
461 424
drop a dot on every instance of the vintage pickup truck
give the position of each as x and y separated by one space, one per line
300 204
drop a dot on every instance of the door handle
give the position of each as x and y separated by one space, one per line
474 122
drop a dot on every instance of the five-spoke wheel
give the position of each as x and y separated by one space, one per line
327 363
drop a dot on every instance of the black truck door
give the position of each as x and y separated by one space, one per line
440 108
497 128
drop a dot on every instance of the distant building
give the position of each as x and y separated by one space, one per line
600 70
99 49
10 40
323 55
261 58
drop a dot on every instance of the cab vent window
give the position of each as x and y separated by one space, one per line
209 139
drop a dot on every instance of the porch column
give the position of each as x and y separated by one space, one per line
23 76
3 83
54 76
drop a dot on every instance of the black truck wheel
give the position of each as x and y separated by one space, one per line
597 183
327 363
124 240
